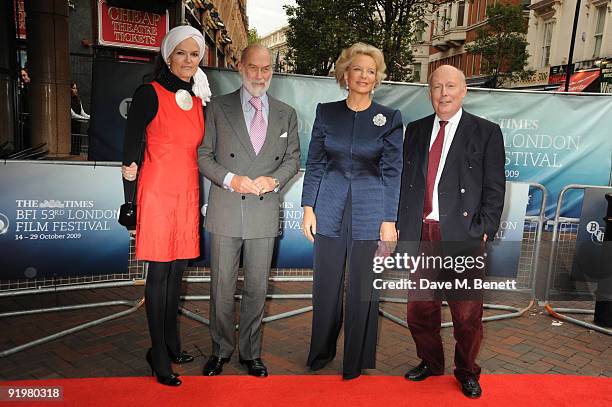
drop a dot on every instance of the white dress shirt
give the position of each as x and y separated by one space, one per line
449 134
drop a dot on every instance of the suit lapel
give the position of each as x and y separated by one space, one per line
235 116
458 144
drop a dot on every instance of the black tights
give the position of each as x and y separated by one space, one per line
162 293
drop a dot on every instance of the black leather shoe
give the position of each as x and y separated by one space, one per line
471 388
180 359
421 372
255 367
350 376
171 380
214 365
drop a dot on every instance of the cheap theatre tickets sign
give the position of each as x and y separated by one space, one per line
122 27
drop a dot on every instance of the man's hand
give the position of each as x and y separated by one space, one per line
265 184
310 223
244 185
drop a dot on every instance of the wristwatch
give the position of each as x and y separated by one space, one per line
276 184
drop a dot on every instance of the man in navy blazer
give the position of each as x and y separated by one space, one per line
453 187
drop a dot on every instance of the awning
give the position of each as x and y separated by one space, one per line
579 81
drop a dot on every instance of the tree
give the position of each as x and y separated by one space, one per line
320 29
502 45
253 36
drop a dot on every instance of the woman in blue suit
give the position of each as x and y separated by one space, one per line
350 198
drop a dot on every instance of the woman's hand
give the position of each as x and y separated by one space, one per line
129 173
388 239
310 223
388 233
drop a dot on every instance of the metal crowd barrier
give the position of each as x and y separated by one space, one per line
202 275
134 277
79 140
565 231
527 269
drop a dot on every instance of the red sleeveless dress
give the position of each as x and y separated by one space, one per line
168 216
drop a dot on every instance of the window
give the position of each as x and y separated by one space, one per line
460 13
546 41
600 19
420 31
445 21
416 73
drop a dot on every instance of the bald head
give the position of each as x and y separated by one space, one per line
447 70
254 49
447 88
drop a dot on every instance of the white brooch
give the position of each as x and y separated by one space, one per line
379 120
183 99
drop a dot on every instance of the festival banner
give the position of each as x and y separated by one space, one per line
59 220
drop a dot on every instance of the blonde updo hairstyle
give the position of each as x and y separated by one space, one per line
359 48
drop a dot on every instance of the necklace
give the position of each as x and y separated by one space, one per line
358 109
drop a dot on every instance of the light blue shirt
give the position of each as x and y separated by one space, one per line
249 113
249 110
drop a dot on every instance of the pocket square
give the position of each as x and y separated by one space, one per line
284 135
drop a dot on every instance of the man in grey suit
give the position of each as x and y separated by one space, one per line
250 151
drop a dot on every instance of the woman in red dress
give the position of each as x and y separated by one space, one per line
167 116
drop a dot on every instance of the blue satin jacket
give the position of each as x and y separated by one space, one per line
360 152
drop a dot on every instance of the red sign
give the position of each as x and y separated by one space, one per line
579 81
21 17
122 27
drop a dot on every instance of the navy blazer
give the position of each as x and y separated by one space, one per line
356 151
472 184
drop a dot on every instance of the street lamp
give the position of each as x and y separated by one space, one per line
570 65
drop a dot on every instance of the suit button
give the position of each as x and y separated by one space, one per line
463 190
465 214
232 155
408 162
410 185
276 158
243 197
261 198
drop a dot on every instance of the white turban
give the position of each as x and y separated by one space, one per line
171 40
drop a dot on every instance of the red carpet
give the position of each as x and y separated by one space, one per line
296 391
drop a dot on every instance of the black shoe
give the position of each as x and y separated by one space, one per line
180 359
350 376
255 367
471 388
171 380
421 372
214 365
